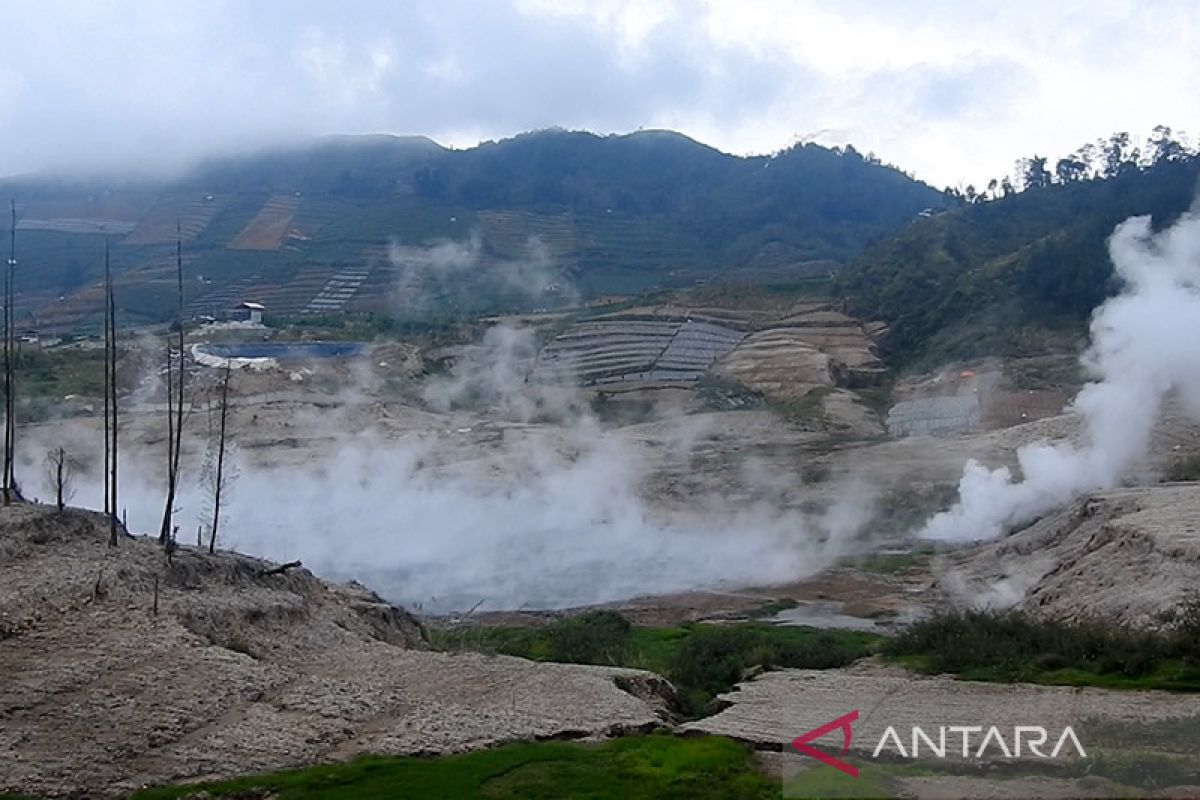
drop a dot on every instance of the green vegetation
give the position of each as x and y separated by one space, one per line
1011 646
60 372
1133 773
615 215
1018 275
873 781
892 563
655 766
701 660
658 765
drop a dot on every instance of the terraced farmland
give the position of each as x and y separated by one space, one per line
616 241
159 225
509 233
617 350
810 346
340 287
95 214
378 289
270 224
293 296
219 300
77 225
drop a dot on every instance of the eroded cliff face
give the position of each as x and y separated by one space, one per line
243 669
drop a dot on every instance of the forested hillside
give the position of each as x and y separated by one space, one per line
1018 273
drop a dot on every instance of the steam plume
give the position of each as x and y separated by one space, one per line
1145 345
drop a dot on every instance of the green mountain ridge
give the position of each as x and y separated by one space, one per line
298 228
1011 276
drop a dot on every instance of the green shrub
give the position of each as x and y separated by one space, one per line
713 658
700 660
1011 646
597 637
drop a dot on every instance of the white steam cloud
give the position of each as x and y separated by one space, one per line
1145 345
545 524
503 492
453 271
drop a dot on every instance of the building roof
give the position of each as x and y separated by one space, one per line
253 306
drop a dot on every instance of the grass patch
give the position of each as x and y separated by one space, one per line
892 563
59 372
1132 774
822 782
700 660
634 767
1011 646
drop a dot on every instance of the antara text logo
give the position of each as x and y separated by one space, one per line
945 741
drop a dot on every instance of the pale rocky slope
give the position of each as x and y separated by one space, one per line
1129 555
240 671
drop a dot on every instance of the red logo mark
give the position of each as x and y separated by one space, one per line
800 743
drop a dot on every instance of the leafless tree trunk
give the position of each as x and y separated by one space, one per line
107 411
219 478
10 411
60 475
175 425
110 370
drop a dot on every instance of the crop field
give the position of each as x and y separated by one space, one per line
97 225
270 224
509 233
629 350
114 214
193 214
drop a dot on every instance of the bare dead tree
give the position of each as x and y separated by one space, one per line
170 445
60 475
108 510
174 403
10 415
219 481
110 371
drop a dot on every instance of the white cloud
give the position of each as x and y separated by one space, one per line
952 91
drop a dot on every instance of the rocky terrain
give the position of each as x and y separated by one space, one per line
120 668
1130 556
773 709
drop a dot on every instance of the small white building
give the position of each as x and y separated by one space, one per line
253 312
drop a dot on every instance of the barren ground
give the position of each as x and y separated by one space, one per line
242 672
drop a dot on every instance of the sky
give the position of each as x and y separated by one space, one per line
951 91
